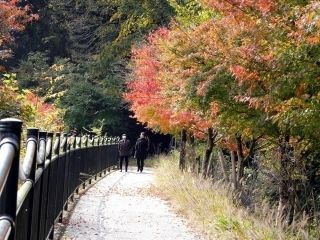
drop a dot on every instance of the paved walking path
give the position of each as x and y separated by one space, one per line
119 207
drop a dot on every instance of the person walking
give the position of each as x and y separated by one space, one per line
141 150
124 151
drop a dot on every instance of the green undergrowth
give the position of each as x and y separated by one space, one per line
210 208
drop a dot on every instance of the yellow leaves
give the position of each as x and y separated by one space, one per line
58 67
27 106
214 108
292 103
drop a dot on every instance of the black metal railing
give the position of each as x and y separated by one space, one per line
53 169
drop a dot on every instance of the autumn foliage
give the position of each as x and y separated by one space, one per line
13 18
28 107
251 72
250 56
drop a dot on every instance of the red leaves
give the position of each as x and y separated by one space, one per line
12 19
235 72
45 115
42 108
308 24
160 33
243 75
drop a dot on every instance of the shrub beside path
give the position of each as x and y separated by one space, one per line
119 207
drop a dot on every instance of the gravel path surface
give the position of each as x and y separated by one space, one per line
119 207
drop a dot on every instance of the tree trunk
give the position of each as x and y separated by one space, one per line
285 208
192 153
234 170
211 165
198 160
208 152
222 160
182 160
240 156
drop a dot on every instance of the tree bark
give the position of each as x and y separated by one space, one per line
198 160
285 208
211 165
210 143
182 160
240 167
192 153
234 170
222 160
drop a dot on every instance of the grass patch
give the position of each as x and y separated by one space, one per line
209 206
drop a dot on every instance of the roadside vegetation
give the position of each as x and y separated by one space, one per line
211 207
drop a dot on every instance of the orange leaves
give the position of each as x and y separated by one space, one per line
13 18
27 106
160 33
214 109
45 115
157 87
243 76
308 24
228 6
236 71
42 108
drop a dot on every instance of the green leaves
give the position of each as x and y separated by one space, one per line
190 13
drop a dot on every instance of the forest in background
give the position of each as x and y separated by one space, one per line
64 62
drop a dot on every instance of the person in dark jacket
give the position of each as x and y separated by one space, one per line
124 151
141 150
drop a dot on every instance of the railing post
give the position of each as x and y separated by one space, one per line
46 216
105 153
79 145
115 166
10 136
96 160
41 158
71 179
90 162
100 155
32 136
64 148
85 162
49 146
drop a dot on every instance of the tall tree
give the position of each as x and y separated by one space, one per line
13 18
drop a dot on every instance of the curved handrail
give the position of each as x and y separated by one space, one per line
31 150
91 140
78 141
22 193
85 140
5 228
42 148
48 183
56 144
25 169
8 148
49 145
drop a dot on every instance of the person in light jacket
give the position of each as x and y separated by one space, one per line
141 150
124 151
